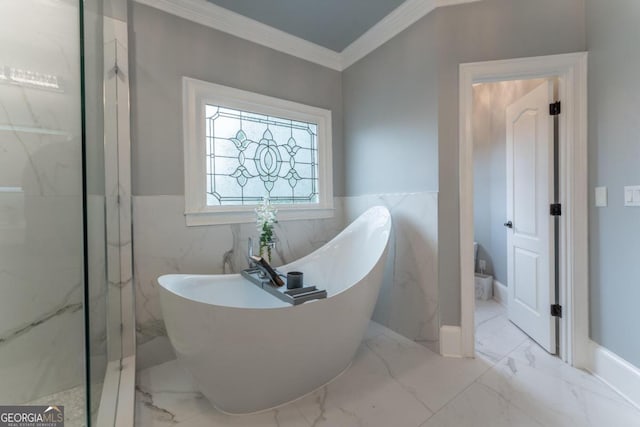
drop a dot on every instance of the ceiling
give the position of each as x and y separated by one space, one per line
334 24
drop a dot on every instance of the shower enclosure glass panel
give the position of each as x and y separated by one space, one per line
42 357
101 346
57 307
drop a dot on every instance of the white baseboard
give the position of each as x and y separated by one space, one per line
500 293
450 341
616 372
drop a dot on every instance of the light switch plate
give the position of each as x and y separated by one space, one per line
632 195
601 197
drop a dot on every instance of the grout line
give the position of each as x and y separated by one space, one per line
491 365
459 393
490 318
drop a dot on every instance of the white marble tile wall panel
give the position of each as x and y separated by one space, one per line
40 165
163 244
97 282
40 127
118 189
41 320
408 301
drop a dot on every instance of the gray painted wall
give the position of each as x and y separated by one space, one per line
391 115
614 153
404 95
491 29
163 48
490 102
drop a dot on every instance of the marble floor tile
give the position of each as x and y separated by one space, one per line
554 394
74 402
367 394
431 378
480 406
394 381
166 395
496 337
487 310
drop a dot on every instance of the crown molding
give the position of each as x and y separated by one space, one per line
219 18
391 25
210 15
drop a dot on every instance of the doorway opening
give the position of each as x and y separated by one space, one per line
514 161
571 339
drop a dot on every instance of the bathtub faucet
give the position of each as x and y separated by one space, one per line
250 250
265 269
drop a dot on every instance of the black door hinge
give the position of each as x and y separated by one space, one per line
556 310
554 108
555 209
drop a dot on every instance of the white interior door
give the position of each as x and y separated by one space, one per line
530 236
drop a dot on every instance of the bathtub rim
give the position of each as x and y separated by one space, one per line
295 263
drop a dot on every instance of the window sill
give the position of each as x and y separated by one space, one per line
195 219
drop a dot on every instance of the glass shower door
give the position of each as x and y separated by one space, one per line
60 313
41 207
98 342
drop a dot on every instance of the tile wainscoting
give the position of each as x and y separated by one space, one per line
163 244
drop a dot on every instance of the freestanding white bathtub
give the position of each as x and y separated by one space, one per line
249 351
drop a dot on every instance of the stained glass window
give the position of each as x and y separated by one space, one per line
250 156
240 147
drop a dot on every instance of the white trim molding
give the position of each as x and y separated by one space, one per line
500 293
616 372
197 94
450 341
219 18
571 72
391 25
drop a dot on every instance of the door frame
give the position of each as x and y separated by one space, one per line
571 72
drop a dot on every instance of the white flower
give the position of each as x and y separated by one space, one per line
265 213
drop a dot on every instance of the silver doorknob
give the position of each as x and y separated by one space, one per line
508 224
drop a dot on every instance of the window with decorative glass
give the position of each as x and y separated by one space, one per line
241 147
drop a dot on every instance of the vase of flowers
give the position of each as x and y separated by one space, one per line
266 218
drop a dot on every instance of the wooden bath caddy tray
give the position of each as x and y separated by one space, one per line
292 296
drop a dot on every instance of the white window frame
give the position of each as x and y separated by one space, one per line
196 94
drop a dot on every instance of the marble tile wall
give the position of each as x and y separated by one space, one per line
98 288
408 300
117 156
41 317
163 244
